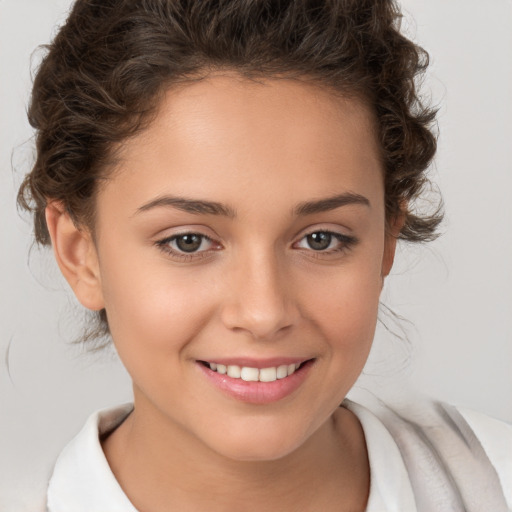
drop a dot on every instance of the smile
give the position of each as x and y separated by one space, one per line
249 374
257 382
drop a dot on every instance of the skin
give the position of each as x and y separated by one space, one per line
257 290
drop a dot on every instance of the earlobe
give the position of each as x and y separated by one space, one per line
76 256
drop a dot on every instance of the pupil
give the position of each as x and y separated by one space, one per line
319 241
188 243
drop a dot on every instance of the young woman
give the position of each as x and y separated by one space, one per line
225 184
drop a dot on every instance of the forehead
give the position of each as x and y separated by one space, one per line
283 109
225 134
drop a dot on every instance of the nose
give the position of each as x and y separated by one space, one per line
259 299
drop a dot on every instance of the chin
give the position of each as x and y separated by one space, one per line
257 443
253 452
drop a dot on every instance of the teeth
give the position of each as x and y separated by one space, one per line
268 374
282 371
250 374
234 371
254 374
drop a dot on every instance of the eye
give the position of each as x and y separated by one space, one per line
186 244
325 241
190 242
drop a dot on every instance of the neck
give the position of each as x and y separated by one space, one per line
157 463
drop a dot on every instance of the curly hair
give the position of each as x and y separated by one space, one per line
105 71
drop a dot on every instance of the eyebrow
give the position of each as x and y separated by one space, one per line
196 206
203 207
330 203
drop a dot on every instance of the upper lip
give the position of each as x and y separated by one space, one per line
250 362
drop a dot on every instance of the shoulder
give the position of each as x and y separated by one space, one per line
454 459
495 437
82 467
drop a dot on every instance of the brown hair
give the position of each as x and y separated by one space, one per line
103 74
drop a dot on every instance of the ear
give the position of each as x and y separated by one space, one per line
76 256
394 226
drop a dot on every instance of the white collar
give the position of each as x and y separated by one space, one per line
82 480
390 486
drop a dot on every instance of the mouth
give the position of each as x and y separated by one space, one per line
252 374
257 382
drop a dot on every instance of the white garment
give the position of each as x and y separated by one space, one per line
83 482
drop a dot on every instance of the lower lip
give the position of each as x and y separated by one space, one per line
257 392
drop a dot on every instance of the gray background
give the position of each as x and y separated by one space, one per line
456 293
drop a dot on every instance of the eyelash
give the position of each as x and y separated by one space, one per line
347 242
165 247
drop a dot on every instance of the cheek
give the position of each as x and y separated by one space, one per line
151 310
345 309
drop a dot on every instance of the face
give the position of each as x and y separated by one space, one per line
244 232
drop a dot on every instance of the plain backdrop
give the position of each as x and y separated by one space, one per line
456 293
